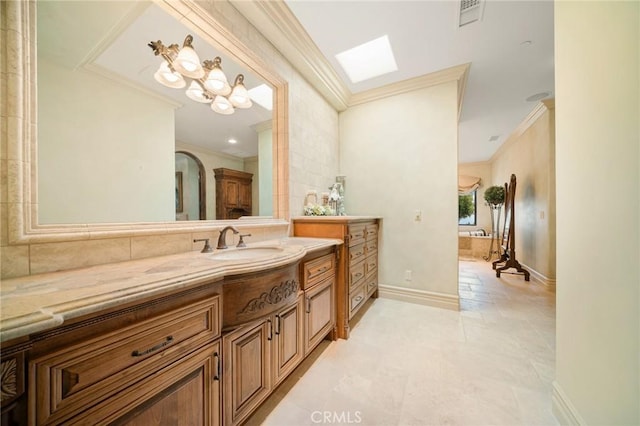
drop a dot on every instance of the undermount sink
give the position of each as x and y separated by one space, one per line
246 253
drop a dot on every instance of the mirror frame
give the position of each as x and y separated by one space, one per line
20 134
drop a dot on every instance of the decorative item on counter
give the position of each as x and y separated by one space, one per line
325 199
312 208
336 198
342 181
318 210
311 198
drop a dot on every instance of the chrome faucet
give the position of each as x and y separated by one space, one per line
222 239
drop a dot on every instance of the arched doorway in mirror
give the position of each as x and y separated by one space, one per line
191 187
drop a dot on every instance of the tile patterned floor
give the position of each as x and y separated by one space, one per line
492 363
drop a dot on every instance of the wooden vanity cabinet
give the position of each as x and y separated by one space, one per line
357 267
258 356
233 193
155 359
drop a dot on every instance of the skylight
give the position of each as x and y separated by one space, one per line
263 96
371 59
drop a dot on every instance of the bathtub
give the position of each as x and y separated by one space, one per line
475 244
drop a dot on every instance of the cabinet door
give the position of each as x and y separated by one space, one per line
231 193
244 196
247 370
185 393
320 316
287 339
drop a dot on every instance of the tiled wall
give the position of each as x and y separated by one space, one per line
312 154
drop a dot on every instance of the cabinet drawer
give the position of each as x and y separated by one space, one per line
356 299
67 381
356 254
185 392
370 247
371 284
371 231
319 269
356 274
356 235
370 265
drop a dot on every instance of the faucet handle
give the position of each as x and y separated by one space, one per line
241 243
207 248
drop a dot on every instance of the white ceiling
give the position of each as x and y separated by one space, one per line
504 71
505 68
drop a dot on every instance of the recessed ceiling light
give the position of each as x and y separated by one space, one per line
371 59
526 43
263 96
494 138
232 141
538 96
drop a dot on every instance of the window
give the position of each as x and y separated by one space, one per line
467 208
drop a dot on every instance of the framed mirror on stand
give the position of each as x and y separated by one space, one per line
508 257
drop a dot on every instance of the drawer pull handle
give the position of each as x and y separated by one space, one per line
320 270
358 299
270 336
217 357
308 305
277 324
359 274
157 347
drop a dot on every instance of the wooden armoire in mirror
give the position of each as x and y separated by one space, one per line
233 193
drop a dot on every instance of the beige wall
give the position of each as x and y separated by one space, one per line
483 171
529 153
597 73
399 155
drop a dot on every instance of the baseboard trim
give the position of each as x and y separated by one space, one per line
421 297
563 409
549 283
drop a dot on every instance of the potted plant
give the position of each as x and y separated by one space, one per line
494 195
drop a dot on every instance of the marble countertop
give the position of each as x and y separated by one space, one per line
335 218
36 303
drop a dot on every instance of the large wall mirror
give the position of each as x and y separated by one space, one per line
105 151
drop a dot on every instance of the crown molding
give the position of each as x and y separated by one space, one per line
277 23
456 73
534 115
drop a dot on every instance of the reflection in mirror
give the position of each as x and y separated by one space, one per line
108 132
191 201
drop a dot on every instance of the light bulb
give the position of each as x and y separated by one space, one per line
196 93
187 62
221 105
169 78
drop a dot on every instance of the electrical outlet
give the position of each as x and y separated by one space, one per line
407 275
417 216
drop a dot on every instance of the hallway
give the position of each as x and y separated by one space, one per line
407 364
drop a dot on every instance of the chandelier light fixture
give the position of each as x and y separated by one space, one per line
208 84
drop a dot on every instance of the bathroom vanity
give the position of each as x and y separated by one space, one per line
357 269
193 338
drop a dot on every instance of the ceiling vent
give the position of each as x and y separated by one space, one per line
470 11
